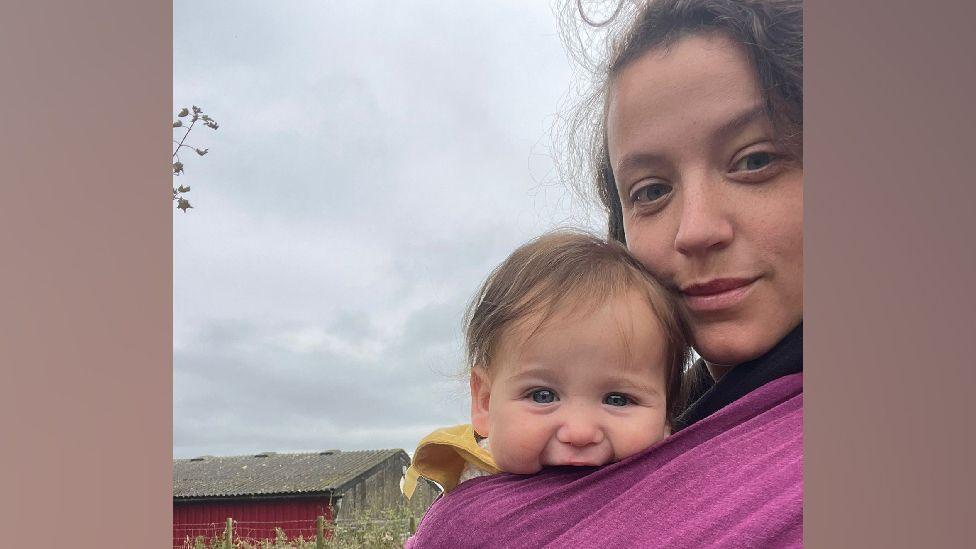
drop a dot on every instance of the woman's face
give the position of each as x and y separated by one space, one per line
711 204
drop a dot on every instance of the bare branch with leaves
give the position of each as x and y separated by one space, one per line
196 115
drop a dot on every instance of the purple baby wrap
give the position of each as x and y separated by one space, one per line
733 479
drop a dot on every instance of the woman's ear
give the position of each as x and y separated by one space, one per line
480 396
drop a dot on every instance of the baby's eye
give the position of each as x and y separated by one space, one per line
616 399
543 396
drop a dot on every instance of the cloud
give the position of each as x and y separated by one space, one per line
374 161
258 387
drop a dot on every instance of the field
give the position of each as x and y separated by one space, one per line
381 530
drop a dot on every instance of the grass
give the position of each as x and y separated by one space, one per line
378 530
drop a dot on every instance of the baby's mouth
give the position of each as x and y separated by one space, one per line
583 463
592 458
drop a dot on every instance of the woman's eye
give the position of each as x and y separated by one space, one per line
543 396
753 162
616 399
651 193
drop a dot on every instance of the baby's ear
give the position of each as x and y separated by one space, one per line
480 395
667 429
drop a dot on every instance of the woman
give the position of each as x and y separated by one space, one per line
712 203
698 161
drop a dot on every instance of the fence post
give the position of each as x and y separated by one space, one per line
320 532
413 525
229 534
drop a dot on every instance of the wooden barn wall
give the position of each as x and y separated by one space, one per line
254 518
379 489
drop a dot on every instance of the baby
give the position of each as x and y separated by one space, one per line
575 357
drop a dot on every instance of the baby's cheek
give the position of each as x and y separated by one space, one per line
519 464
637 440
517 451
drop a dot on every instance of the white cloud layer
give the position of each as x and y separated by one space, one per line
374 161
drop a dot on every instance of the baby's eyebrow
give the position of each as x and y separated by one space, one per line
609 384
539 373
626 382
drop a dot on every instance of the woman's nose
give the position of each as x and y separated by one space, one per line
579 430
703 224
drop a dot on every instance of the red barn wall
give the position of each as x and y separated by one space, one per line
253 518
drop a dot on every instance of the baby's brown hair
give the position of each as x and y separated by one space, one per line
570 267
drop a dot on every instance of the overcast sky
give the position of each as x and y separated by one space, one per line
374 161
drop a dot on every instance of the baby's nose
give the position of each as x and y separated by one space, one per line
579 431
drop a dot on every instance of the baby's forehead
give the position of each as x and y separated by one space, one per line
548 314
551 319
611 358
620 328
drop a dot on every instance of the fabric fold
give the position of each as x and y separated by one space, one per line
732 479
441 457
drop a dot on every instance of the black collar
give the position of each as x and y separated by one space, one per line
784 359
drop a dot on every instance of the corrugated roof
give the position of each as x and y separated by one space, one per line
272 475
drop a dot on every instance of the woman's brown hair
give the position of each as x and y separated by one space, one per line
568 268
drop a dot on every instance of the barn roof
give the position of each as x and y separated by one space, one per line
269 473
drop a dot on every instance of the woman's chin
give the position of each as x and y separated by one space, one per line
727 344
724 358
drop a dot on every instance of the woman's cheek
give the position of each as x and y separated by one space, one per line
653 256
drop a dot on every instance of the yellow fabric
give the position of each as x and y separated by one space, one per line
441 456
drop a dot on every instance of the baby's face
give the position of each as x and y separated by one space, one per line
588 388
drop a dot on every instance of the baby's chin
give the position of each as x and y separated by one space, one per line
519 468
556 458
533 468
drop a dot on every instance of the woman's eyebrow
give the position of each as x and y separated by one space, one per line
735 124
727 129
639 160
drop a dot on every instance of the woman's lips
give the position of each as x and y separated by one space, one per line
717 294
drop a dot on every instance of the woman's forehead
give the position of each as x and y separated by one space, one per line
698 85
